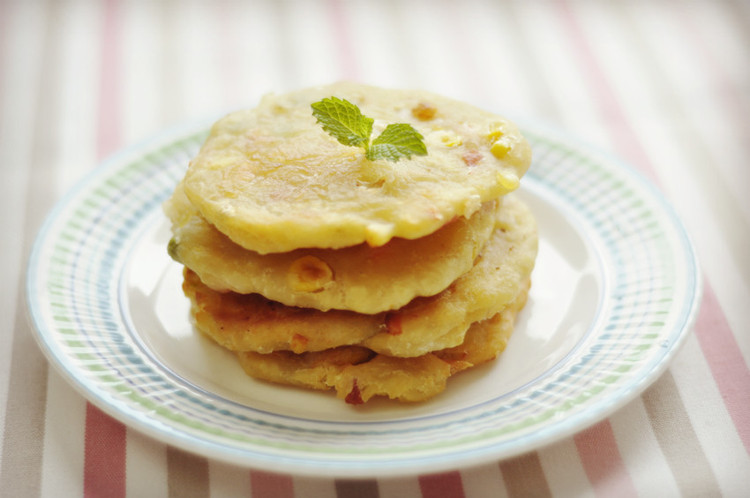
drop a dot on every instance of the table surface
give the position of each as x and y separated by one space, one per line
664 85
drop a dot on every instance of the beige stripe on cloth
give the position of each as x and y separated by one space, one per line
357 488
187 474
524 476
677 438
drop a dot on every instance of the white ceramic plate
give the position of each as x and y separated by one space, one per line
614 294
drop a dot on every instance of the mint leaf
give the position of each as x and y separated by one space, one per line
344 121
397 141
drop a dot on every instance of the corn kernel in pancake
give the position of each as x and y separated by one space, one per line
273 180
359 278
251 323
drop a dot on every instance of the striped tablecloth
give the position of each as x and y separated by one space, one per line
663 84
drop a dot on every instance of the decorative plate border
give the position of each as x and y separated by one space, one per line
652 287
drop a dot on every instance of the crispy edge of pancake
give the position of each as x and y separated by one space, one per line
250 322
358 374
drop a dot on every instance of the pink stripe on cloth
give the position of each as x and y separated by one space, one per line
109 116
267 484
446 485
725 360
343 40
603 463
104 455
104 463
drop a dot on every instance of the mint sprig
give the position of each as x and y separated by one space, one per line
346 123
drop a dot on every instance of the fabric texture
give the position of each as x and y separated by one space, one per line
664 85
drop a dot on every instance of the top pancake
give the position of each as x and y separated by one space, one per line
272 180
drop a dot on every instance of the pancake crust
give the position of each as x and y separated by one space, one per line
253 323
250 322
359 278
273 180
357 374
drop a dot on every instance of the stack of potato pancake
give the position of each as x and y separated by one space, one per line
323 269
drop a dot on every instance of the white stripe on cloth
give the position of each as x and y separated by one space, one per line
74 137
253 61
62 459
484 480
197 60
426 49
78 82
564 471
575 109
314 488
402 487
228 480
142 58
641 451
492 33
146 466
22 42
310 44
378 65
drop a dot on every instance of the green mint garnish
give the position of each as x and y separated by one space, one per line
346 123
